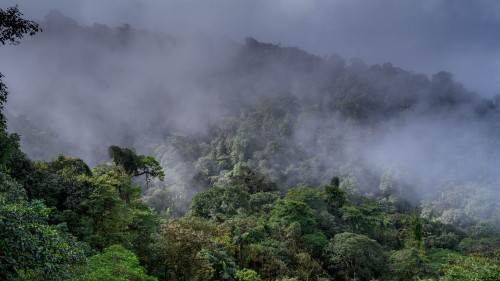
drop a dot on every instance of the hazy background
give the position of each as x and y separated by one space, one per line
90 80
424 36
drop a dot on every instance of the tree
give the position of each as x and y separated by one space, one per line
367 218
12 28
471 268
287 212
3 99
180 244
220 202
263 202
247 275
113 211
9 148
307 267
115 263
309 196
29 246
107 216
334 196
136 165
223 265
407 264
250 180
352 255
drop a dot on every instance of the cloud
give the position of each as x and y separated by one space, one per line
109 83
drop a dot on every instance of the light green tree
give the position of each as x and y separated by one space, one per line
115 263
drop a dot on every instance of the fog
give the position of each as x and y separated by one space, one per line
424 36
132 73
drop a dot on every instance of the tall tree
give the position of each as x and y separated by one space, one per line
136 165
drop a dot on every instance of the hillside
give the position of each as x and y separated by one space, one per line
278 164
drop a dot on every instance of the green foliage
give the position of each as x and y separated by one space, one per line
334 196
3 100
62 183
115 263
250 180
224 267
269 258
247 275
136 165
454 208
288 211
9 148
180 248
150 167
69 167
439 235
263 202
368 218
415 229
437 258
240 227
29 246
307 267
483 245
484 229
313 198
315 242
141 233
10 190
407 264
107 216
220 202
471 268
350 255
125 158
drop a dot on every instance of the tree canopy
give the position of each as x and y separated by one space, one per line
136 165
252 198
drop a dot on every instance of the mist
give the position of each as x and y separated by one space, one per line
160 75
423 36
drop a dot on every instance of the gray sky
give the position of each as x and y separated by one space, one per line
423 36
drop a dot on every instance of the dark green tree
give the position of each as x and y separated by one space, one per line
220 202
287 212
136 165
31 248
334 196
9 149
13 26
350 255
407 264
251 180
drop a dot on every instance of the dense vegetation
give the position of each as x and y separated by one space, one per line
276 189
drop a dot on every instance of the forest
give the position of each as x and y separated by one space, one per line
257 162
